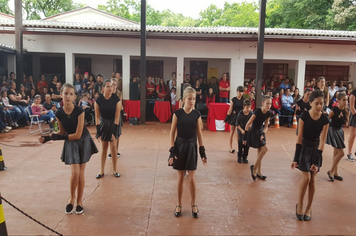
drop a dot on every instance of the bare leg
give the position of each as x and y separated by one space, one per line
260 154
232 132
180 187
351 139
311 193
117 146
81 184
113 151
339 154
74 178
304 183
192 187
104 145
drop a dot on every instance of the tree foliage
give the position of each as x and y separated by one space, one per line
342 15
37 9
4 7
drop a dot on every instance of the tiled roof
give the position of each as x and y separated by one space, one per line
191 31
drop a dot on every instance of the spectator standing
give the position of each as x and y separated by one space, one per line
224 88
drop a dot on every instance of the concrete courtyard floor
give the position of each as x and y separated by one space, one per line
142 200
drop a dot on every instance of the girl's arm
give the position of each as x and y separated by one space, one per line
118 112
323 137
200 133
327 99
230 109
266 125
298 145
249 123
97 114
352 104
174 129
331 114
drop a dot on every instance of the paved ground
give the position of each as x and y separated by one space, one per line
142 200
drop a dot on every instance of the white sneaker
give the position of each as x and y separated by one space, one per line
16 125
8 128
350 158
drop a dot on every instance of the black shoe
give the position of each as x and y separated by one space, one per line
330 177
307 218
239 160
117 175
79 210
263 177
98 176
245 161
118 155
109 156
232 151
299 217
178 213
69 208
195 214
338 177
253 176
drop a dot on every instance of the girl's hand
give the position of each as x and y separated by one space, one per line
262 137
170 160
244 142
314 169
294 165
341 115
205 162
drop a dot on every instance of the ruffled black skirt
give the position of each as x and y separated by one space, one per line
254 138
187 156
79 151
307 155
233 119
106 127
352 121
335 137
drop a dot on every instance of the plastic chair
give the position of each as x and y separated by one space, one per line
35 120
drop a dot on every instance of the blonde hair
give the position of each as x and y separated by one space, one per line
187 91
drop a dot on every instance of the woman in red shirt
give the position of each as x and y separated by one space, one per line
210 98
162 89
42 84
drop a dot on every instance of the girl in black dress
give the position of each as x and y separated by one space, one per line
352 125
107 117
78 145
236 105
312 130
256 137
339 116
183 152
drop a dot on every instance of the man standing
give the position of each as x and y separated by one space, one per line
98 86
171 81
224 88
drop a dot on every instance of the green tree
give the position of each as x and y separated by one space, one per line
36 9
4 7
240 15
303 14
210 16
342 15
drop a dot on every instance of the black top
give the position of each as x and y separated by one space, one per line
197 99
10 92
187 123
260 118
352 93
48 106
69 121
56 92
313 128
303 107
337 121
53 87
238 104
242 119
107 108
98 87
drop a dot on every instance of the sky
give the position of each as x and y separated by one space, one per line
189 8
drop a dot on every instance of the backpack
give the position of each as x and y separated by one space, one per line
134 121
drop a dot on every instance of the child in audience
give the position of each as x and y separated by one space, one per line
210 98
276 105
312 131
339 116
42 112
256 136
253 101
15 113
87 105
173 99
242 118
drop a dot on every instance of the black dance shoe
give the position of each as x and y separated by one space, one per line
307 218
98 176
117 175
299 217
338 177
195 214
79 210
263 177
330 177
245 161
253 176
178 213
69 208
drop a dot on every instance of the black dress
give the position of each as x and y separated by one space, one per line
311 137
107 110
256 131
242 120
335 136
352 121
75 151
237 107
186 141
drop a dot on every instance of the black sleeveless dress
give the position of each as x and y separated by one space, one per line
107 115
186 141
237 107
335 136
352 121
256 131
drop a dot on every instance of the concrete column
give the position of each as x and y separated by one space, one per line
180 73
300 75
237 73
69 64
126 76
11 64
